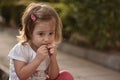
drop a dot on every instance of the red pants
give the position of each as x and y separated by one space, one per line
64 75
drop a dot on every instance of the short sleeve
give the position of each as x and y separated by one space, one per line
19 52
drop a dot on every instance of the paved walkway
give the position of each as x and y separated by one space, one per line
80 68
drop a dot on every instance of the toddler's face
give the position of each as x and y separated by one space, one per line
43 33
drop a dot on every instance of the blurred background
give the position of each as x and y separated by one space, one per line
88 24
92 24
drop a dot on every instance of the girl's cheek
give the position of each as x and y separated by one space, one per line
52 39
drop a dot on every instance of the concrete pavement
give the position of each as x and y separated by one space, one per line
81 69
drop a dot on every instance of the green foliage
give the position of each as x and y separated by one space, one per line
101 22
12 11
97 20
17 13
5 12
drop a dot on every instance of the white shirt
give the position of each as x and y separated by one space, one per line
26 54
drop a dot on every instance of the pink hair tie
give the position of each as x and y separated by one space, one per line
33 17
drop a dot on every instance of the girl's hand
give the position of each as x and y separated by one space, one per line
52 50
42 52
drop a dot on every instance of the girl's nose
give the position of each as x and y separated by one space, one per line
46 38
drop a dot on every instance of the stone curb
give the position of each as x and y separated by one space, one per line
109 60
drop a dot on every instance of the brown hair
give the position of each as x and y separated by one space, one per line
32 14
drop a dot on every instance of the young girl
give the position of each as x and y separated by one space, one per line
34 57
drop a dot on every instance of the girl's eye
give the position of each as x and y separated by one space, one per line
41 34
51 33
